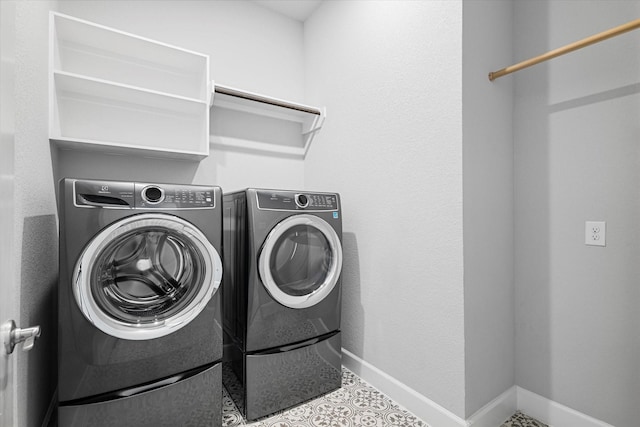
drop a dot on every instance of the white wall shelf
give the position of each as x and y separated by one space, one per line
121 93
310 119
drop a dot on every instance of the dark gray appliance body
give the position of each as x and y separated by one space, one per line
282 297
140 323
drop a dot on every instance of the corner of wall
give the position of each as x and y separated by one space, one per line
488 194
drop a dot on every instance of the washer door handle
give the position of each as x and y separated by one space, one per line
12 336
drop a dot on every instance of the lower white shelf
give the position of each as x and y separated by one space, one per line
111 147
256 146
93 114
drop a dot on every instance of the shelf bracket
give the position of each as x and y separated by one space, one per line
212 93
315 126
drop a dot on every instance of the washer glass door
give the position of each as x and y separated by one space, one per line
300 261
146 276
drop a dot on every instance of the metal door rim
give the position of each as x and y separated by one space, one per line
303 301
82 286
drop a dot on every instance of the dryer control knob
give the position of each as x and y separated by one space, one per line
302 200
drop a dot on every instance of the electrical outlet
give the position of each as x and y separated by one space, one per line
595 233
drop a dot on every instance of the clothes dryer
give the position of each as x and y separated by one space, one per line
140 324
282 297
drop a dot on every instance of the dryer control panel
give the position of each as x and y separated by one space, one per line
135 195
295 201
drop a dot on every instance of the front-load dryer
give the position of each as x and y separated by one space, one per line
140 324
282 297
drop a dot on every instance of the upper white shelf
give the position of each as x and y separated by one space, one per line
310 118
124 93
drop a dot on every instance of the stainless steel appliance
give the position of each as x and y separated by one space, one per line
282 296
140 324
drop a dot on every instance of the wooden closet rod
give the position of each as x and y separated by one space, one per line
635 24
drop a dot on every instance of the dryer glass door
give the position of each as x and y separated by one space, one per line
300 261
146 276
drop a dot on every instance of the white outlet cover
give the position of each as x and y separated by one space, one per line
595 233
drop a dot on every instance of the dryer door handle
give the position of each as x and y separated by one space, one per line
288 347
299 345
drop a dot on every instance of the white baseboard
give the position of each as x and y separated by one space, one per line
552 413
496 412
492 414
422 407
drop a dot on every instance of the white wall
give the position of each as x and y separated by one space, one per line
35 233
390 76
251 48
488 203
576 159
10 290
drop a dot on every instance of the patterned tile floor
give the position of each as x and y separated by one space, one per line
355 404
522 420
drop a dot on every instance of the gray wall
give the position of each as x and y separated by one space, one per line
576 159
390 75
487 107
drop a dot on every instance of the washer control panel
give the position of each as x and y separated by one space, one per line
135 195
295 201
163 196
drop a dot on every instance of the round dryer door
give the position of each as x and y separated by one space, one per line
300 261
146 276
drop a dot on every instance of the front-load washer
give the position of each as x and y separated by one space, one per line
281 297
140 324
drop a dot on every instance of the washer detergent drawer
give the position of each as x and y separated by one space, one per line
193 401
281 379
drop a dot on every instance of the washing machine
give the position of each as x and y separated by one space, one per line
281 297
140 324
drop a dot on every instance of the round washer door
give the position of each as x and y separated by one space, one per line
300 261
146 276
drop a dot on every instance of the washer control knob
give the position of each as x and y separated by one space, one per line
302 201
153 194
